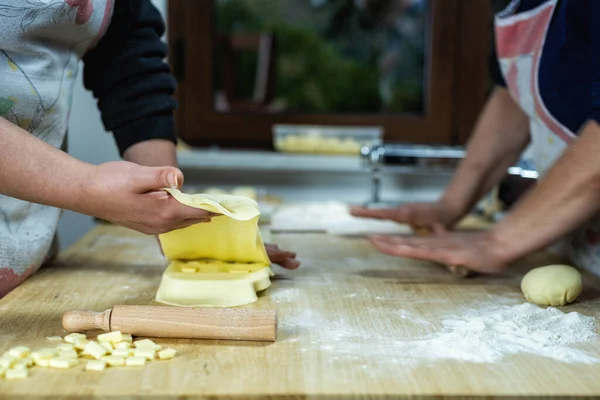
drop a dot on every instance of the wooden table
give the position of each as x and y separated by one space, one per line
344 317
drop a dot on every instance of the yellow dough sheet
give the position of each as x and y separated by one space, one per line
240 208
234 236
215 284
222 263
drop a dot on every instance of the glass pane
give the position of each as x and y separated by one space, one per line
320 56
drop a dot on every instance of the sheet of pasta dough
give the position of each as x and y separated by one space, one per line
214 284
218 264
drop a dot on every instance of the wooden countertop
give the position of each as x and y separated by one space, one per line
345 319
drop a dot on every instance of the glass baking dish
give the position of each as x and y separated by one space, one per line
318 139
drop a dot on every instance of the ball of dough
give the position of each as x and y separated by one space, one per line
553 285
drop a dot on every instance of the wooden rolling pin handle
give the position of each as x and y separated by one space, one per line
81 321
200 323
173 322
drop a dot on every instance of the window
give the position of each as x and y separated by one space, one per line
417 68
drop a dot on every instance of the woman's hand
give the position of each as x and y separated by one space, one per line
417 215
131 195
501 134
477 251
286 259
566 197
120 192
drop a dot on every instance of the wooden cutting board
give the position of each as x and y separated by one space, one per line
345 320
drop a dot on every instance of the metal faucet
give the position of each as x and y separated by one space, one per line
417 158
407 156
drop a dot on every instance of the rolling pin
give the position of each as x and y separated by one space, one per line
172 322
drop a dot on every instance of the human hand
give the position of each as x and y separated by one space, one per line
417 215
286 259
131 195
476 251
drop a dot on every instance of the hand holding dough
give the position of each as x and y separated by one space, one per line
552 285
218 264
232 237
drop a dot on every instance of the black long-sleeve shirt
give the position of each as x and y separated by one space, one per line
127 73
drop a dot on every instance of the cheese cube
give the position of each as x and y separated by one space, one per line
108 346
80 343
85 355
65 346
63 363
167 354
54 338
122 352
43 362
95 365
135 361
123 345
19 352
7 361
21 364
114 361
147 352
127 338
147 343
114 337
70 338
16 374
67 354
95 350
144 343
44 354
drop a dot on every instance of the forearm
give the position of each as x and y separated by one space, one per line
499 137
32 170
564 199
152 153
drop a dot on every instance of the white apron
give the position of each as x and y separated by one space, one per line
520 41
41 42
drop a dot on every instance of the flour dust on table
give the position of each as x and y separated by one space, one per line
332 217
478 335
492 333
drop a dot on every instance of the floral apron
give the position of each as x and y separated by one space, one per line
41 42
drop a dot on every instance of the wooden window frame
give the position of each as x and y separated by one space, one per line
454 84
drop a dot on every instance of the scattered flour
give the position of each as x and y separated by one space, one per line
489 335
485 335
285 295
332 217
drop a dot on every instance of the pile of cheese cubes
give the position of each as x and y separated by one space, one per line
112 349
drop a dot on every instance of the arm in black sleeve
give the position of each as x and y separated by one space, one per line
127 74
495 72
594 27
497 77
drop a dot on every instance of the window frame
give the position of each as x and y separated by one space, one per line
451 79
